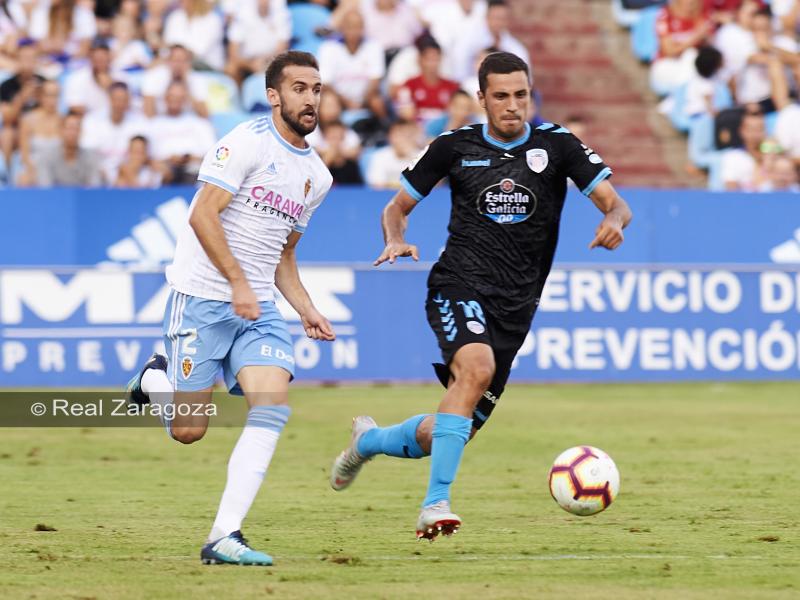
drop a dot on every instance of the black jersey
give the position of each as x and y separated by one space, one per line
506 207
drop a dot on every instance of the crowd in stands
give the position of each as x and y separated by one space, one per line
133 93
729 75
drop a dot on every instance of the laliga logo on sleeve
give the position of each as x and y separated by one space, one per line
222 153
537 159
221 156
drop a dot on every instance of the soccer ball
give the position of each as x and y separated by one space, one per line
584 480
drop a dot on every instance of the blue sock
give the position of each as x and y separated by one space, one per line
450 435
398 440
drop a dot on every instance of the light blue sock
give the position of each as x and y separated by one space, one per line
398 440
450 435
271 416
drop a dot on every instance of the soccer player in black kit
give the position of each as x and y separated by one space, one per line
508 184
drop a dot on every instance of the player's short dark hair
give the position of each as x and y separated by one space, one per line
292 58
500 63
708 61
492 3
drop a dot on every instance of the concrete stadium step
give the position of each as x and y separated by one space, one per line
576 73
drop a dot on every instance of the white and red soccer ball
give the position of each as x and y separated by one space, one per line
584 480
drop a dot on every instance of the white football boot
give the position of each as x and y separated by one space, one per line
349 462
435 519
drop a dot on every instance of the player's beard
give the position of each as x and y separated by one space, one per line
295 123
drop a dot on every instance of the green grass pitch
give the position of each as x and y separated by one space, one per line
708 506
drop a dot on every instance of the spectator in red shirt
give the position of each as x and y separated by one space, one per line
425 97
682 26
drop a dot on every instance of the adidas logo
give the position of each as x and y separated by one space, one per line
152 242
271 169
788 251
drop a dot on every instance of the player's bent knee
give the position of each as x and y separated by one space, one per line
188 435
477 375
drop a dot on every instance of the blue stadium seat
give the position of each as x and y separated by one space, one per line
254 98
223 93
225 121
701 141
644 40
680 120
306 19
364 160
625 17
770 120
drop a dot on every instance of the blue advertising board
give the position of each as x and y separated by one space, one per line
133 227
705 287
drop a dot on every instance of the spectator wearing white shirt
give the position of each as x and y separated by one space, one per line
392 23
782 176
493 31
787 130
108 134
740 167
63 27
748 46
257 33
388 163
13 24
447 21
180 138
787 16
700 88
177 68
138 170
86 90
196 26
128 50
354 66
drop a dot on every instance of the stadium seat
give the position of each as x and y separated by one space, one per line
223 93
644 40
364 160
701 141
253 94
715 183
223 122
306 19
625 17
680 120
770 119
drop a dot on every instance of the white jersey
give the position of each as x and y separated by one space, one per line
276 188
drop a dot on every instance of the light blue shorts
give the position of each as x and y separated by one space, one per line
201 336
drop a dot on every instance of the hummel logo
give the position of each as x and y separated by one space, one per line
506 156
788 251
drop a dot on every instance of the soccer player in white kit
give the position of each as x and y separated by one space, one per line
261 184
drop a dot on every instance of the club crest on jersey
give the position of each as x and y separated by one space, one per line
307 188
537 159
187 364
507 202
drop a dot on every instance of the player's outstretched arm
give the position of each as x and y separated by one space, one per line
617 216
204 219
287 280
395 222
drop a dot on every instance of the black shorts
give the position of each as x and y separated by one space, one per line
457 318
